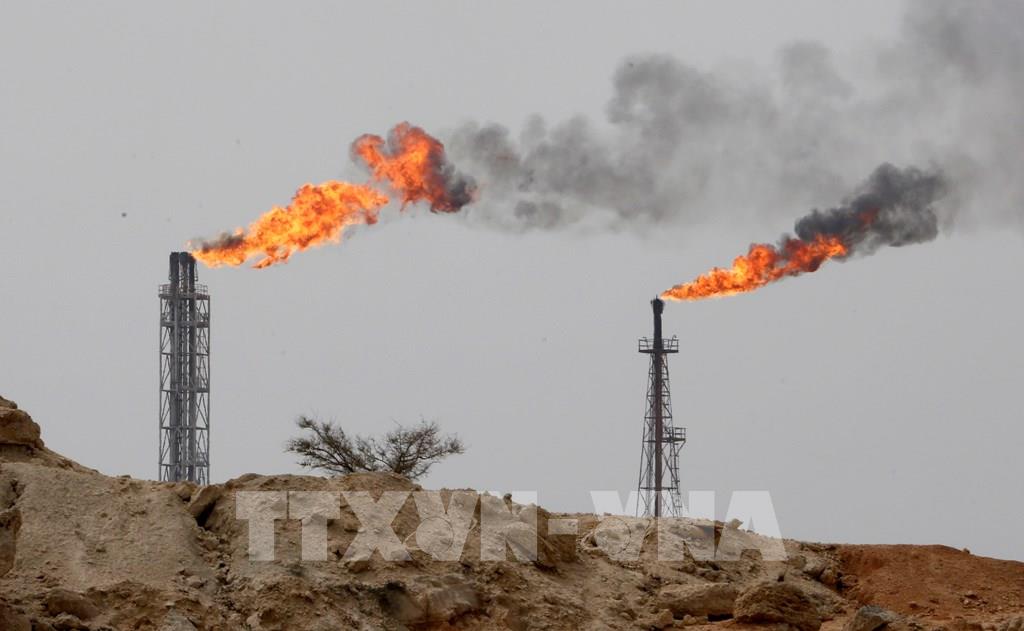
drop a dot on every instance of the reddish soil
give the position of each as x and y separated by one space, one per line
935 582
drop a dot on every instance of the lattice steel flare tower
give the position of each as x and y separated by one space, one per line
184 374
658 489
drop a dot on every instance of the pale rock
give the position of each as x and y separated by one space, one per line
712 599
777 603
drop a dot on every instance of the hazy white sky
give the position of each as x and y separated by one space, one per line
876 400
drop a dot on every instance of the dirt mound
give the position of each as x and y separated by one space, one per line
80 550
936 582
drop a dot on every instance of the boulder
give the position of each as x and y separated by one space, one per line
870 618
63 601
68 622
777 603
18 428
815 567
712 599
7 403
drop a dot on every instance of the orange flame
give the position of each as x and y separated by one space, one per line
763 264
317 214
413 162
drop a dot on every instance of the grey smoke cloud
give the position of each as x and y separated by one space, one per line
894 207
680 144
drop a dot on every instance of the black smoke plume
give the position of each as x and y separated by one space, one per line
894 207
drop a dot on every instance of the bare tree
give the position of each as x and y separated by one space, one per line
407 451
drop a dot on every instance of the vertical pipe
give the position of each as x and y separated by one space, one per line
658 356
191 366
174 422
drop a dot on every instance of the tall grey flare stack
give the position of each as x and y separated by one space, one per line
658 488
184 374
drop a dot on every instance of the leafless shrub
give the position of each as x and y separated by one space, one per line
407 451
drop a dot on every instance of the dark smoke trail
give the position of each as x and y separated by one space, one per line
893 208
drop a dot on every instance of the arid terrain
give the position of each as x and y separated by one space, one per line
81 550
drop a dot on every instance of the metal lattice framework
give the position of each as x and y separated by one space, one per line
184 374
659 455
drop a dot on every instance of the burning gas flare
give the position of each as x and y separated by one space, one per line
411 161
893 207
317 214
763 264
414 164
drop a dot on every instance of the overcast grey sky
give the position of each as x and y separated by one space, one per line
877 400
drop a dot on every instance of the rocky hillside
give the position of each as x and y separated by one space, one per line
80 550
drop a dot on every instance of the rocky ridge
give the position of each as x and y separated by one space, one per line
81 550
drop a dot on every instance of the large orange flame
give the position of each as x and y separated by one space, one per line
763 264
317 214
413 162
